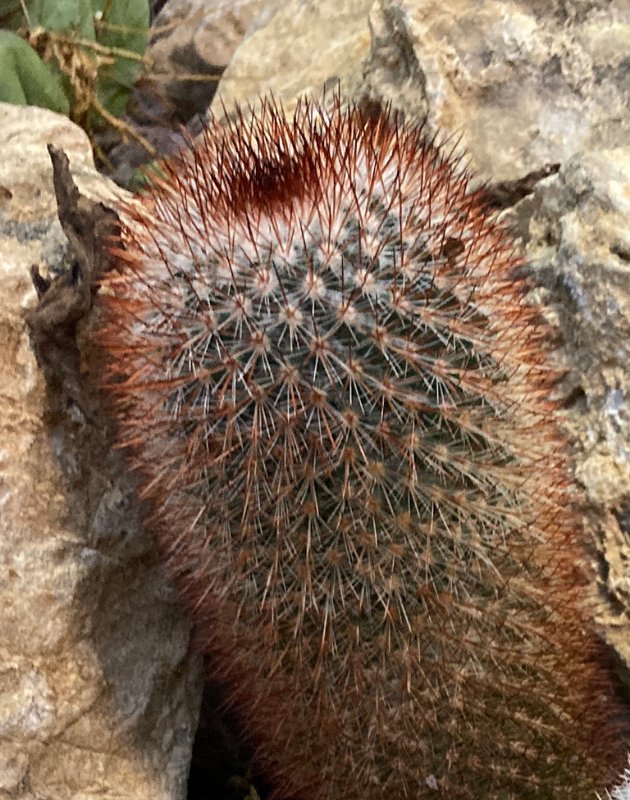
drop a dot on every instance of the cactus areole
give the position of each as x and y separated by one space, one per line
327 375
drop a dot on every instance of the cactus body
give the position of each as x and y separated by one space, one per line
329 380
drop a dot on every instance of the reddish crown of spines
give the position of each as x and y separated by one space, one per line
325 369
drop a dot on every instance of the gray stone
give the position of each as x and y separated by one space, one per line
193 43
524 82
579 243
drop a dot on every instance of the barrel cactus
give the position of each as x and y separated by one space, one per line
333 388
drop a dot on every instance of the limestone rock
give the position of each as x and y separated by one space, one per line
524 82
98 692
298 48
579 242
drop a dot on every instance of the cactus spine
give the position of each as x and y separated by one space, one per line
324 366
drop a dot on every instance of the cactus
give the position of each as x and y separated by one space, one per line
622 789
335 393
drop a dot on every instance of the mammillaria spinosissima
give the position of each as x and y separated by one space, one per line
622 789
329 380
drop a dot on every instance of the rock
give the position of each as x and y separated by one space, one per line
578 242
298 48
98 692
524 83
194 39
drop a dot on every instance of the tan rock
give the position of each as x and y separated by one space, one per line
525 83
98 694
298 48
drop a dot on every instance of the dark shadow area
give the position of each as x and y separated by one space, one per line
221 765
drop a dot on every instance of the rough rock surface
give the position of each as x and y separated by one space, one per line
524 82
192 45
579 242
98 692
298 48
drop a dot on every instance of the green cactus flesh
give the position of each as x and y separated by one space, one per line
334 391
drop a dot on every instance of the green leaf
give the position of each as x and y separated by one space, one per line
123 25
67 16
130 27
26 80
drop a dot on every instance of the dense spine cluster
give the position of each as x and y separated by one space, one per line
324 366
